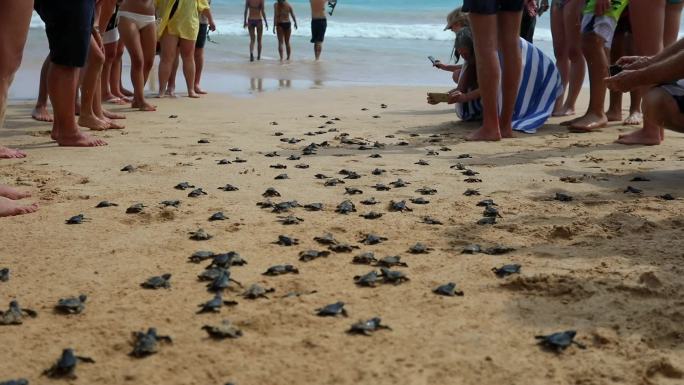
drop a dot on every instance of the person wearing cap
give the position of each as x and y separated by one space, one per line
456 20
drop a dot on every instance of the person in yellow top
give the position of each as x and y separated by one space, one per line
178 29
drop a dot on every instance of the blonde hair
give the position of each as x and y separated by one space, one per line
457 16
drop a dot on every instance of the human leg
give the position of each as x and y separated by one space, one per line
573 38
187 53
171 87
287 33
199 57
105 77
281 42
252 40
560 51
130 35
260 35
660 110
597 59
40 111
673 15
169 50
91 74
509 46
115 72
617 50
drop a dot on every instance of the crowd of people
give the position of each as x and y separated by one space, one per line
506 82
624 45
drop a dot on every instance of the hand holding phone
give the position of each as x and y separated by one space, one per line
433 60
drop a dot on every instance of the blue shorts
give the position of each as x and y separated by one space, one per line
68 25
491 7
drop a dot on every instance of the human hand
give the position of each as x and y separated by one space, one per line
439 64
633 62
245 26
624 81
456 97
212 26
296 26
531 8
430 100
601 7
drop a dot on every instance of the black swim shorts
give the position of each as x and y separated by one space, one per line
201 36
318 27
68 25
490 7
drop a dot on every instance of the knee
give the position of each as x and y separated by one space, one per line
136 61
653 100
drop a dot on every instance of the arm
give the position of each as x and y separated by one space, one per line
294 18
663 71
207 13
246 10
263 14
638 62
275 16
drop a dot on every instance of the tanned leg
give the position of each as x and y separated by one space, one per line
560 51
597 59
660 109
252 41
171 88
187 52
618 49
509 45
260 34
288 33
169 49
281 42
199 66
40 111
91 75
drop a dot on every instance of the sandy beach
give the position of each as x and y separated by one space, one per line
606 264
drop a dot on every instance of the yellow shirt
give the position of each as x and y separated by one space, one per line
185 21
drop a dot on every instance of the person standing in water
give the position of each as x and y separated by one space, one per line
255 18
282 26
319 24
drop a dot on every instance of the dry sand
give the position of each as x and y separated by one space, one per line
608 264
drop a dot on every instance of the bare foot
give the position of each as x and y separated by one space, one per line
144 106
634 119
588 123
506 132
92 122
9 153
482 134
563 111
171 93
200 91
111 99
640 137
614 116
80 140
10 208
192 94
126 92
12 193
112 125
112 115
41 114
570 122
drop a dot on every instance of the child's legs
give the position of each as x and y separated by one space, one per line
509 45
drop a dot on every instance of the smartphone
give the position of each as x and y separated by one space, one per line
614 69
439 97
432 59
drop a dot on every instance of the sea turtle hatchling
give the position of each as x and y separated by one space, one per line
431 221
427 191
393 276
234 149
310 255
14 315
183 186
223 162
333 182
226 260
419 201
302 166
210 274
498 250
469 172
667 197
222 281
284 207
506 270
214 305
314 206
345 207
472 180
228 187
391 262
399 183
146 343
367 327
491 211
419 248
294 157
65 367
218 216
342 248
200 235
136 208
352 191
280 270
105 204
71 305
281 177
372 239
472 249
632 190
378 171
199 256
370 201
487 221
364 259
448 290
471 192
77 220
270 193
458 166
422 162
4 274
321 176
19 381
326 239
170 203
128 168
198 192
464 156
381 187
238 160
284 240
222 331
557 342
203 141
399 206
290 220
332 310
371 215
257 291
272 154
486 203
562 197
157 282
369 279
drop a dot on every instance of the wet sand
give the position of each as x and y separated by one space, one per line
607 264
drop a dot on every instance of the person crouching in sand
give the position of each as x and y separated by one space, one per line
456 20
663 104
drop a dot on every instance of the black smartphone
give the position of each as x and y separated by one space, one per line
614 69
432 59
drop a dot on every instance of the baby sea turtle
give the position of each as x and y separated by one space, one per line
321 176
427 191
381 187
506 270
342 248
19 381
346 207
310 255
270 193
491 211
364 259
472 180
14 314
372 239
464 156
4 274
203 141
222 281
486 203
333 182
135 209
281 269
257 291
105 204
77 220
183 186
210 274
419 201
281 177
196 193
214 305
667 197
432 153
498 250
290 220
369 202
399 183
224 330
65 367
294 157
557 342
238 160
145 344
419 248
469 172
314 206
200 235
71 305
399 206
487 221
332 310
173 203
326 239
378 171
271 154
283 207
391 262
431 221
157 282
368 280
392 276
640 179
352 191
234 149
367 327
223 162
284 240
632 190
302 166
228 187
422 162
353 175
458 166
267 204
226 260
472 249
371 215
218 216
128 168
562 197
200 256
448 290
471 192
